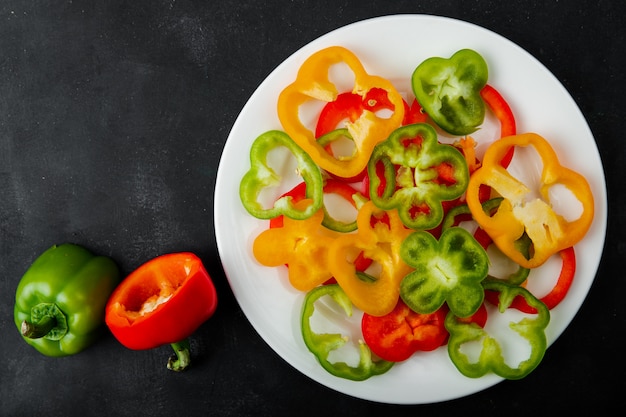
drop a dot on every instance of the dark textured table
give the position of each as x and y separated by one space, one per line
113 117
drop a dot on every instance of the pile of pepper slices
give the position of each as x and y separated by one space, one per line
420 278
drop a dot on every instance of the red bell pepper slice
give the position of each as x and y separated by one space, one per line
414 114
560 289
558 292
502 110
398 335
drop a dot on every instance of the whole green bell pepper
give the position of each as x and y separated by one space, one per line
322 344
491 357
449 270
414 173
449 90
60 300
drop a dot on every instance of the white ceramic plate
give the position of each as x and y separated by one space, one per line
392 47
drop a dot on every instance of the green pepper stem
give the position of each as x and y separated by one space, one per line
40 329
182 358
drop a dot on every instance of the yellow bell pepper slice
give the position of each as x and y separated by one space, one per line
302 245
528 211
379 237
313 83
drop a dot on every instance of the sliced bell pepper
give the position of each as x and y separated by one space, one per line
414 113
301 244
378 237
491 358
349 107
331 186
522 211
313 83
398 335
557 293
418 174
500 107
449 90
261 175
446 271
462 213
322 344
60 300
162 302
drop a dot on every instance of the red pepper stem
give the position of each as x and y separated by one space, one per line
39 329
182 358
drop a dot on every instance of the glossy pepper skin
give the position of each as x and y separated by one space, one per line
418 175
60 301
322 344
378 238
301 244
162 302
313 84
398 335
492 357
261 176
525 211
449 270
449 90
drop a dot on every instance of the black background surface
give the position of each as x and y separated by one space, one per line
113 116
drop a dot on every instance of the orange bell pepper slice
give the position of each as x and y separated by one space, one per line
529 211
379 237
301 244
313 83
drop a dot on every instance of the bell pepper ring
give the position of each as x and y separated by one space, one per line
313 83
331 186
419 173
491 358
449 90
303 245
378 238
521 210
60 300
556 294
398 335
322 344
162 302
261 175
499 106
449 270
461 213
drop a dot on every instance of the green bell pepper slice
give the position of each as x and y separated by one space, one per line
261 175
491 358
449 90
321 344
60 300
412 172
449 270
489 206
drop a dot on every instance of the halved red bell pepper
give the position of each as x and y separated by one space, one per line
162 302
